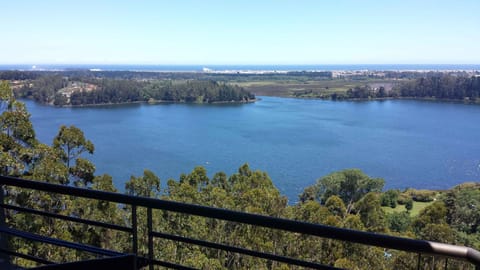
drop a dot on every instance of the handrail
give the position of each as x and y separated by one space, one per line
348 235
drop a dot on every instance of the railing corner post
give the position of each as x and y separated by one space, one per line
134 230
150 237
3 237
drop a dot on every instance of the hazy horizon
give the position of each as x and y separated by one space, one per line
244 67
237 64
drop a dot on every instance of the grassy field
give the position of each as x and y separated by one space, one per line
417 207
288 88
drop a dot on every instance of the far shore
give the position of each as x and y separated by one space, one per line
390 98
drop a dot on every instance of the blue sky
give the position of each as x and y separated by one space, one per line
240 32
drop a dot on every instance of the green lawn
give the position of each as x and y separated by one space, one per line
287 87
417 207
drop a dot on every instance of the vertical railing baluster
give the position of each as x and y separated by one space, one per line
150 237
134 230
419 259
446 263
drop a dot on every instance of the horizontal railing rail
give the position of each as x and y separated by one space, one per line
25 256
348 235
67 218
121 262
57 242
244 251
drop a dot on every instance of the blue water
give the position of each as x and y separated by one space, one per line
408 143
197 68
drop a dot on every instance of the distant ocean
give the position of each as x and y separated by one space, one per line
200 68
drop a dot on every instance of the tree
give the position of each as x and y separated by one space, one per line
389 198
48 166
438 233
336 206
399 221
463 204
17 136
197 178
147 185
350 185
432 214
371 213
70 143
309 194
409 205
381 92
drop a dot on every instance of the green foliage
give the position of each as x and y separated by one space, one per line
389 198
311 211
438 233
309 194
463 207
362 92
409 205
196 91
17 136
403 198
350 185
49 166
57 90
336 206
71 143
371 213
146 186
353 222
433 214
399 221
442 86
421 195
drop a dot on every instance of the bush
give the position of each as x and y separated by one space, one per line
389 198
421 195
409 205
403 198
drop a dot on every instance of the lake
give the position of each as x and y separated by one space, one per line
409 143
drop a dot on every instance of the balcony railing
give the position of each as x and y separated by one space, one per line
421 248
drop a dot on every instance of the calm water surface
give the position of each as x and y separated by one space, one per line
408 143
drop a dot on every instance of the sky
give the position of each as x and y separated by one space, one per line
188 32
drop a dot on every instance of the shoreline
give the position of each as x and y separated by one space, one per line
152 103
477 102
466 102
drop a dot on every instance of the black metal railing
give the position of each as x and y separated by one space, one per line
420 247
